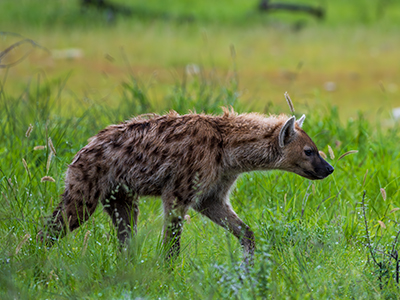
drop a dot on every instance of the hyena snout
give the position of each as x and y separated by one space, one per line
323 169
329 169
315 169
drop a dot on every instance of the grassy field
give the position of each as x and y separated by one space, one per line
354 48
315 240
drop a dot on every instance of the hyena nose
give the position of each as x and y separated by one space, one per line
330 169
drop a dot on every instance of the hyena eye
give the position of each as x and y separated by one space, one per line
308 152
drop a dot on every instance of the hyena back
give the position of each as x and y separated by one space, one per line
191 161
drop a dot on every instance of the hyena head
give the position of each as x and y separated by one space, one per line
299 153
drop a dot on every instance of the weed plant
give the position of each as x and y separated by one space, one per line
310 235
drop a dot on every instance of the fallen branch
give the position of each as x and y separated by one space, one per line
317 12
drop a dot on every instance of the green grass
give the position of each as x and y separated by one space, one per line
68 13
273 52
310 235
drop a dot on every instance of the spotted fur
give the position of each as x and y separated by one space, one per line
190 161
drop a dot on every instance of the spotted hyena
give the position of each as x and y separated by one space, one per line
191 161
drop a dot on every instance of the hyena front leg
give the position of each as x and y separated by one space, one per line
73 210
122 206
174 214
221 213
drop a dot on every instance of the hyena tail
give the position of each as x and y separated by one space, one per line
69 215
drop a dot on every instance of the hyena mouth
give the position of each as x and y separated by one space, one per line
312 175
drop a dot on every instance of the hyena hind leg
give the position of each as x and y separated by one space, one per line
122 206
69 214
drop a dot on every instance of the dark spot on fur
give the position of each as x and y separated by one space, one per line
176 137
253 140
162 127
91 150
99 154
97 195
139 157
90 185
167 125
129 149
241 142
167 178
155 151
99 169
218 158
267 135
214 142
147 146
143 126
119 171
179 180
117 143
84 175
192 171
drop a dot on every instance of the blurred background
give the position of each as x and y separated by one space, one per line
68 68
341 53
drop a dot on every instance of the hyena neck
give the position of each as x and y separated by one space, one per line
251 143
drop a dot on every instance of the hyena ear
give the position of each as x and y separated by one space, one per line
287 131
301 121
